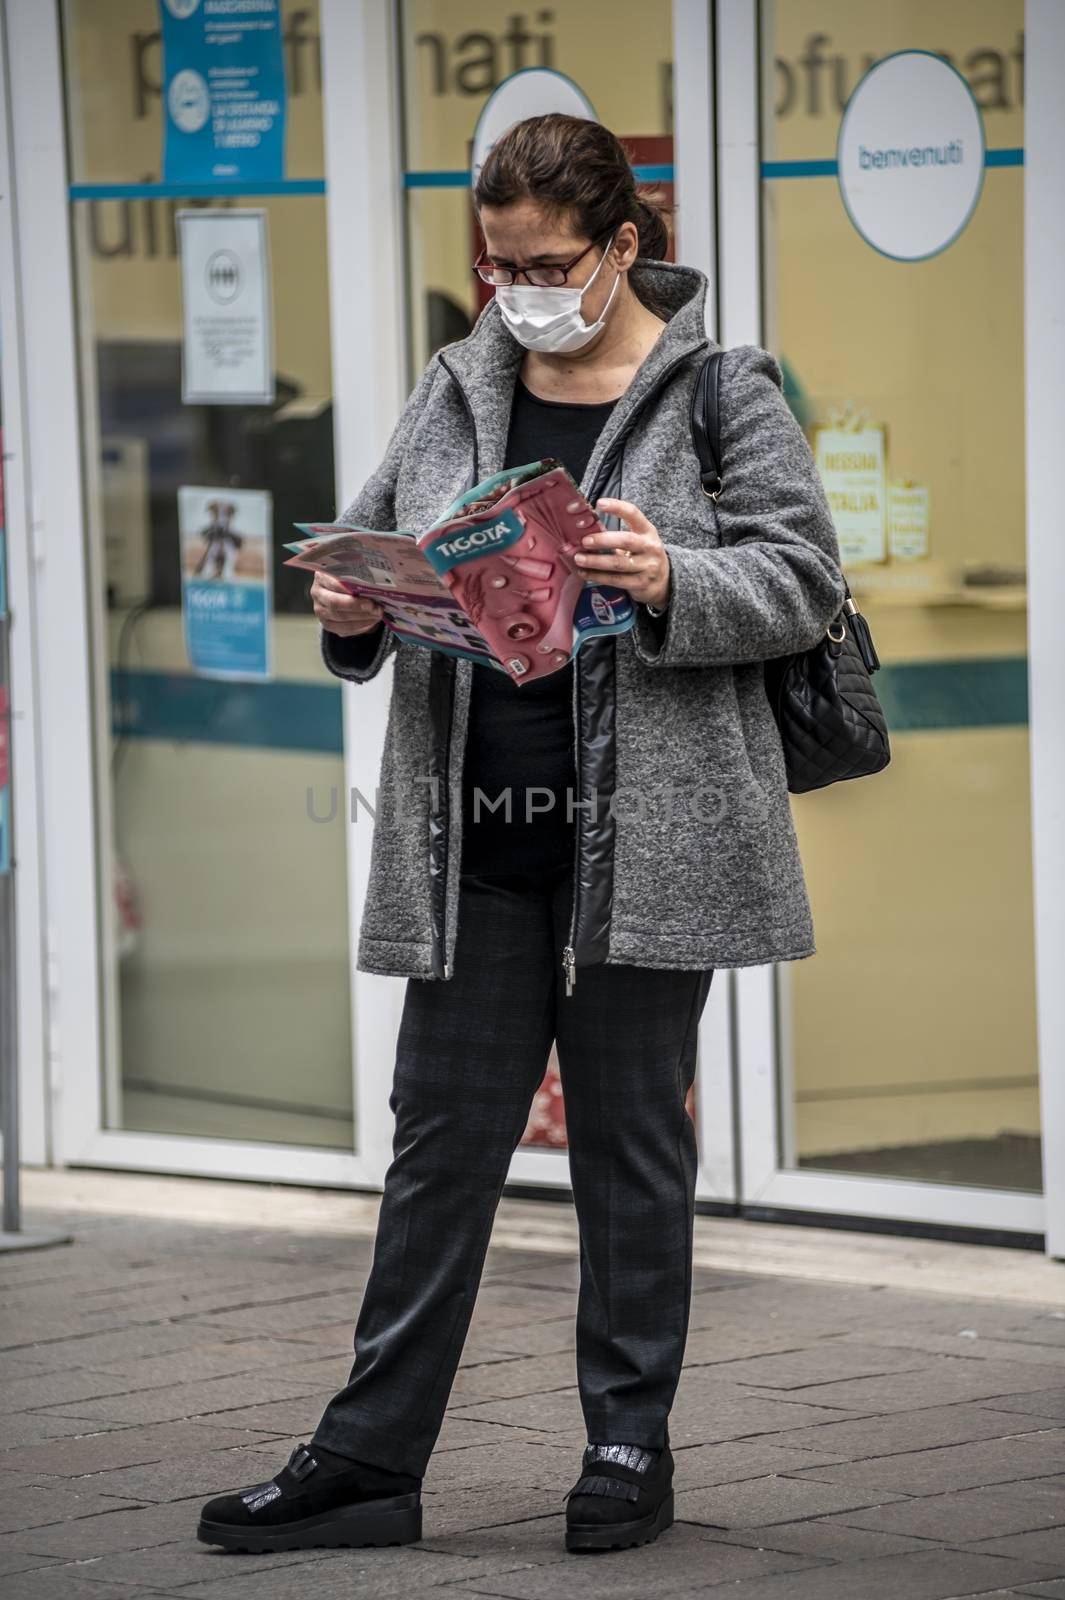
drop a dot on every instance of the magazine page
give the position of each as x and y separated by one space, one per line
510 568
483 495
391 569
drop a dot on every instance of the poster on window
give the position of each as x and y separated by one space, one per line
226 580
227 348
224 93
909 519
852 464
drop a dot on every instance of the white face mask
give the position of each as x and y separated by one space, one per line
550 319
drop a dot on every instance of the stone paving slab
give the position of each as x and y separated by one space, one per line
826 1538
96 1452
967 1343
955 1467
759 1502
65 1585
1031 1505
946 1379
215 1396
916 1575
926 1429
833 1441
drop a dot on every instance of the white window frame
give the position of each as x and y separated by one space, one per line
60 998
363 201
765 1183
31 973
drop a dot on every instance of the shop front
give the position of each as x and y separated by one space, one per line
219 318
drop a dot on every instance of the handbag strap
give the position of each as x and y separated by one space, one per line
706 423
705 418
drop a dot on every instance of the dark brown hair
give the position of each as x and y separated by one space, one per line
578 171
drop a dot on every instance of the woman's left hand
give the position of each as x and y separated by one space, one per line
642 567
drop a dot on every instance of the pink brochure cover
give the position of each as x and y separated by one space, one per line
493 580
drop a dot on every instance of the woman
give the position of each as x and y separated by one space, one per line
649 839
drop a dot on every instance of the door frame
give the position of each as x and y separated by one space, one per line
762 992
359 109
695 177
27 867
362 101
716 81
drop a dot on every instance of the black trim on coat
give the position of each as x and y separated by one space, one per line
441 710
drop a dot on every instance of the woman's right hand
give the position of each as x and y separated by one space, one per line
340 612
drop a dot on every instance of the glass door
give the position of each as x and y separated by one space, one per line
644 72
223 912
896 1072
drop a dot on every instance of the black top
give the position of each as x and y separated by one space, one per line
522 736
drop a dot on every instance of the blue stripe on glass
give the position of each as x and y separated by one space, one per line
193 191
979 692
827 169
917 696
177 707
661 173
798 169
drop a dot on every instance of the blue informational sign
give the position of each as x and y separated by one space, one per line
225 630
224 94
226 580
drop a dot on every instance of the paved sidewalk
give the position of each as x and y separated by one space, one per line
834 1440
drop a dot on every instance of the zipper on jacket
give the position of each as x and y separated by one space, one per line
446 804
446 800
569 962
569 953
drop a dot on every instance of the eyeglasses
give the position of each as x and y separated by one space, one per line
541 277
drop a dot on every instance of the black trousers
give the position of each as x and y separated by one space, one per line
471 1053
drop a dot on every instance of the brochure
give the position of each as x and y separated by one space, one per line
493 579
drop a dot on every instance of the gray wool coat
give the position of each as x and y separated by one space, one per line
685 853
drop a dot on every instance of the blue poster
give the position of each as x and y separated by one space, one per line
224 93
226 580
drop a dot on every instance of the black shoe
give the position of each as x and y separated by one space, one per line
624 1496
318 1498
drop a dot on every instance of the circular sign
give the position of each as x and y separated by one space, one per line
531 92
223 277
181 8
910 155
188 101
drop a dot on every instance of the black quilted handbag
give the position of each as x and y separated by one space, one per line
831 723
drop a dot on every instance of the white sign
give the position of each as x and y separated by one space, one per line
225 281
851 464
908 520
910 155
532 92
